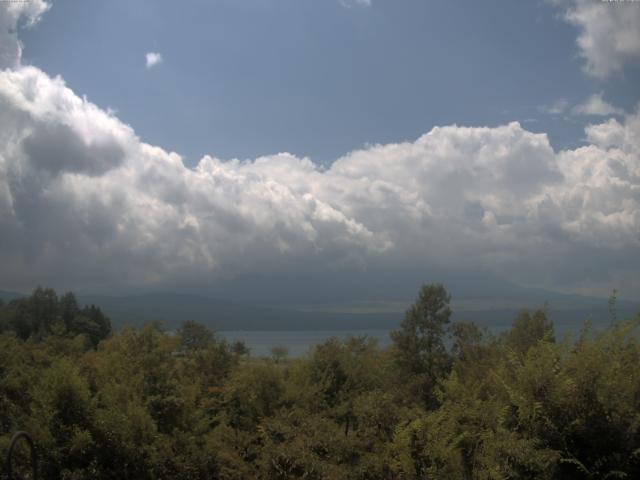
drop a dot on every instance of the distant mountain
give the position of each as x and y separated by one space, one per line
568 313
173 309
377 284
8 296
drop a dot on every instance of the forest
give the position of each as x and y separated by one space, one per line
445 400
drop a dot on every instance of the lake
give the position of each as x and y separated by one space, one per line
298 342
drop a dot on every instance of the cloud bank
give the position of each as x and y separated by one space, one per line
84 199
85 203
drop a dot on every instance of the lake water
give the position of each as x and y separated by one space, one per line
298 342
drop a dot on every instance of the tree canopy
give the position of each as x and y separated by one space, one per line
445 400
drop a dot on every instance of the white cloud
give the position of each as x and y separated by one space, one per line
351 3
609 33
11 14
558 107
81 194
153 59
596 105
599 198
99 200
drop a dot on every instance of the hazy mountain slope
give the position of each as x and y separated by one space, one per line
8 296
172 309
567 311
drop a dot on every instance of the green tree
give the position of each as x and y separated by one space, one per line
240 349
69 309
149 405
279 353
529 329
195 336
43 304
91 322
419 343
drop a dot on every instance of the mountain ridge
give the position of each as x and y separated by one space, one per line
568 311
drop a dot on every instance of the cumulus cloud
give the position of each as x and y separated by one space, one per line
600 196
596 105
80 193
609 33
152 59
13 15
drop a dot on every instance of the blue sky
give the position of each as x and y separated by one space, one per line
256 148
246 78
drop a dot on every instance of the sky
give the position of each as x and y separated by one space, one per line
287 145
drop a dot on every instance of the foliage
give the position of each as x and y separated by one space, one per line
444 401
43 314
420 342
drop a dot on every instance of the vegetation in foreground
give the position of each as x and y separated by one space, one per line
444 401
